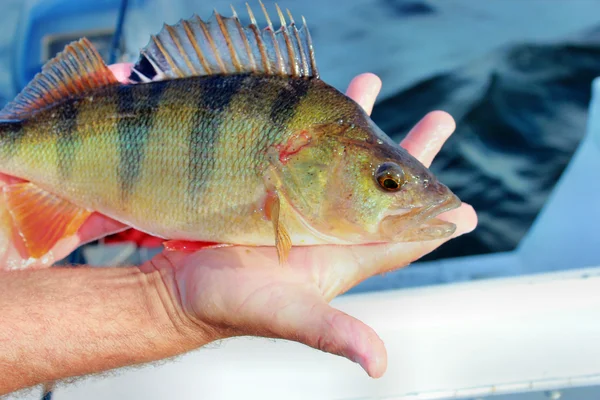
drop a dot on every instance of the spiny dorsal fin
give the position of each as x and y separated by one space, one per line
76 70
222 45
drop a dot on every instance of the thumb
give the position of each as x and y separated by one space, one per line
121 71
325 328
98 226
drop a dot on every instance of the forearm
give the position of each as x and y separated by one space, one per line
65 322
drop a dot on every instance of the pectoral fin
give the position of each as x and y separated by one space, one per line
282 237
41 218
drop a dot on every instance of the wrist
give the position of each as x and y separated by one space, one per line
167 304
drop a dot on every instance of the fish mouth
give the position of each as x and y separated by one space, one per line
420 223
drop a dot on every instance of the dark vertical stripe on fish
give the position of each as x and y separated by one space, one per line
216 95
11 135
136 108
67 142
284 106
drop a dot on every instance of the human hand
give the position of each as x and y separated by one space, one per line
235 291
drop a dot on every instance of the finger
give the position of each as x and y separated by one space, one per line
322 327
121 71
426 138
98 226
464 217
95 227
364 89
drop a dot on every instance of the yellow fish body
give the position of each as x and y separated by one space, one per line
225 134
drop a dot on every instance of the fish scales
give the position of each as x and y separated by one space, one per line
67 141
181 154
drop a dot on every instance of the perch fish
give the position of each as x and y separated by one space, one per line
224 134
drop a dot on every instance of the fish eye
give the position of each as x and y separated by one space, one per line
390 176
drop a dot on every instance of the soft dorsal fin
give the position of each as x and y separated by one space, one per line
222 45
76 70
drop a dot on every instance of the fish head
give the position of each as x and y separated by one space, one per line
354 184
388 194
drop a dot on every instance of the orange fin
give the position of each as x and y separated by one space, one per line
41 218
191 246
76 70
